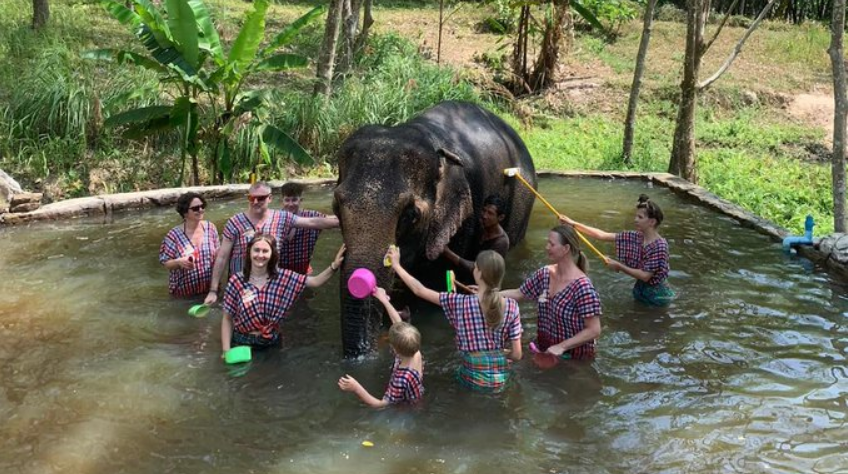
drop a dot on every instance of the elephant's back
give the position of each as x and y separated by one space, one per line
489 145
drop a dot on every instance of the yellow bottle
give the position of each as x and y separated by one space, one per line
387 261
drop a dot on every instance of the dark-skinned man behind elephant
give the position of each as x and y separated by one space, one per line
421 185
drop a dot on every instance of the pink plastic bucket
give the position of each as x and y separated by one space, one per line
361 283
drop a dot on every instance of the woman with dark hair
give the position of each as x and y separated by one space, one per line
488 326
569 307
260 296
642 254
188 250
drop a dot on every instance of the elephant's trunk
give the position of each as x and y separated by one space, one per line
361 318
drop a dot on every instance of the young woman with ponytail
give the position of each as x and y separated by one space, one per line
488 326
569 307
642 254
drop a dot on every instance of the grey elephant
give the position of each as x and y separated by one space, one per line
421 185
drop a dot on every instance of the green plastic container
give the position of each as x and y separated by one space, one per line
199 310
449 279
237 355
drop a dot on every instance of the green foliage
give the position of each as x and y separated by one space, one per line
392 83
208 96
610 12
780 190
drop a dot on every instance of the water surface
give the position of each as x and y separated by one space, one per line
101 372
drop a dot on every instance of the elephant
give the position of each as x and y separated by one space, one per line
420 185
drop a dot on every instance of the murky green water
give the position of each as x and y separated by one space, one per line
103 373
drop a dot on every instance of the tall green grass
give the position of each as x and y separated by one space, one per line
393 84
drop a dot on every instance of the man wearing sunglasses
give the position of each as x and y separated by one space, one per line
258 219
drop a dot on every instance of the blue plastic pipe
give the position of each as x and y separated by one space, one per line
807 239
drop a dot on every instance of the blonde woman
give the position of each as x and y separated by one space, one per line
488 326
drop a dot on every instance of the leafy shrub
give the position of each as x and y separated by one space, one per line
612 12
392 83
503 21
669 12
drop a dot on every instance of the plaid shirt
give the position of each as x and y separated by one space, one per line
562 315
240 230
295 252
177 244
472 333
651 258
405 386
255 309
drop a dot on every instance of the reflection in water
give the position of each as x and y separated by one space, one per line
744 372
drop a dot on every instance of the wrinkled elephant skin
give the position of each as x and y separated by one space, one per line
421 185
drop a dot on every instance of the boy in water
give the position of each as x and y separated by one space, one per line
297 246
407 382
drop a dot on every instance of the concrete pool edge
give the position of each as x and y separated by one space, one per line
106 204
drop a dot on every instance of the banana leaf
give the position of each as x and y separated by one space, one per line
283 143
587 15
281 62
246 44
292 30
184 30
208 40
123 57
121 13
141 122
140 115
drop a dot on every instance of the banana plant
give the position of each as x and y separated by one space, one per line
183 47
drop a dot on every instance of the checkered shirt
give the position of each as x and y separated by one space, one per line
295 252
562 315
240 230
255 309
651 258
472 333
405 386
182 282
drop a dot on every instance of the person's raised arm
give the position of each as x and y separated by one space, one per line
632 272
319 223
515 294
458 261
350 384
592 232
323 277
382 297
411 282
222 260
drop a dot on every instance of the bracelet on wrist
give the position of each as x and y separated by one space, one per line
213 291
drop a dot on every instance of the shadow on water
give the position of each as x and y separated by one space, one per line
744 372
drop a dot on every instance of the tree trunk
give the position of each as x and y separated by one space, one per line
684 161
327 58
630 121
837 60
367 21
545 67
40 13
350 24
441 27
519 50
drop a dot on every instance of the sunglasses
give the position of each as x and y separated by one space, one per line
252 198
197 208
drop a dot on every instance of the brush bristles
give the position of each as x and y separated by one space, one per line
510 172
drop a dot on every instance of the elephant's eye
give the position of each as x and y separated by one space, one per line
408 218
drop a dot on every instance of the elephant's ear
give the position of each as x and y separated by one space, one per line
453 203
